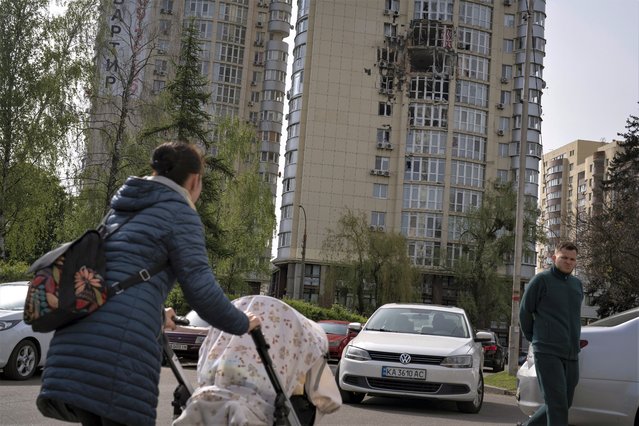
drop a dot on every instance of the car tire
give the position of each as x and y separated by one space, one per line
500 367
23 361
348 397
473 406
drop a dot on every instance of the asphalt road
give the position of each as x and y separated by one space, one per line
17 407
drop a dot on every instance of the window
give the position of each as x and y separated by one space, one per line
471 120
424 253
227 73
465 173
382 163
297 83
508 46
385 109
504 98
199 8
472 93
474 40
425 169
383 135
429 87
502 175
428 115
288 184
509 20
418 224
165 27
426 142
378 218
507 72
390 30
166 5
161 66
437 10
418 196
473 67
231 33
226 94
456 227
287 211
380 190
503 150
475 14
462 200
158 86
284 239
230 53
469 146
392 5
290 157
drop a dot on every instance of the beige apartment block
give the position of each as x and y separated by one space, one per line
404 110
244 57
571 189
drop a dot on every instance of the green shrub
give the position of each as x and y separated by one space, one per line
316 313
14 271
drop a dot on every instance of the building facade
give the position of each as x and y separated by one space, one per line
243 55
405 110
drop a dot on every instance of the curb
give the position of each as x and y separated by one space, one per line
499 391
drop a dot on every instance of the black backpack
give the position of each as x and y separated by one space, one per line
69 281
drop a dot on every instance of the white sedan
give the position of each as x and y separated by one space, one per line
608 389
22 350
423 351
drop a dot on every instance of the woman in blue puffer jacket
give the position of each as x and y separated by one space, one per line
105 368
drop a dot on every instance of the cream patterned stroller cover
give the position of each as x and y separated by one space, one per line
233 386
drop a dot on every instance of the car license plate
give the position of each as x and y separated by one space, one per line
179 346
404 373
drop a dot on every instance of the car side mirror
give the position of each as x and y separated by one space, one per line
483 336
354 328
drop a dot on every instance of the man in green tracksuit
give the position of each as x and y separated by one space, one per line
550 319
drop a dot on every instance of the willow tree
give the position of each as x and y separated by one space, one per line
372 265
43 64
487 243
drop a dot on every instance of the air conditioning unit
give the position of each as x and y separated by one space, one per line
388 145
508 2
500 106
463 46
162 11
386 173
383 63
386 12
262 4
504 80
500 132
372 228
159 72
259 43
380 144
251 103
373 171
161 51
396 13
253 83
259 24
381 228
258 63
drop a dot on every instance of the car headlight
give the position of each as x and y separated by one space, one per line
7 324
353 352
458 361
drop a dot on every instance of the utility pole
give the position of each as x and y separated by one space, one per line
513 339
299 289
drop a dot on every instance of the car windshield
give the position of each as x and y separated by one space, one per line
195 320
616 319
418 321
334 328
12 297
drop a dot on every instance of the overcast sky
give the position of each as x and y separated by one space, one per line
591 70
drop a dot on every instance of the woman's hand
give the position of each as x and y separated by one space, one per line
169 314
254 321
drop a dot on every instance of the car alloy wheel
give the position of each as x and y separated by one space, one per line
22 362
473 406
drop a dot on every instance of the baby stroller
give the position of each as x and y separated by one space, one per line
277 376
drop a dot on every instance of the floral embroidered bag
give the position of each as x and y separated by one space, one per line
69 281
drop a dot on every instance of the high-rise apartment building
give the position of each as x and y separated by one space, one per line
571 189
244 57
405 110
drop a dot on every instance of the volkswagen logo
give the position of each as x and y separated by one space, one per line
404 358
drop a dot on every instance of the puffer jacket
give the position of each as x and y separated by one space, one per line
109 362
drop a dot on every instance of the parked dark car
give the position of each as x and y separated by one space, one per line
495 355
338 336
186 340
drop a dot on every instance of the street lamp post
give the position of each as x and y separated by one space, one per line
513 339
299 292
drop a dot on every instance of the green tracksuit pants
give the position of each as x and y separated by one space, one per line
557 380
